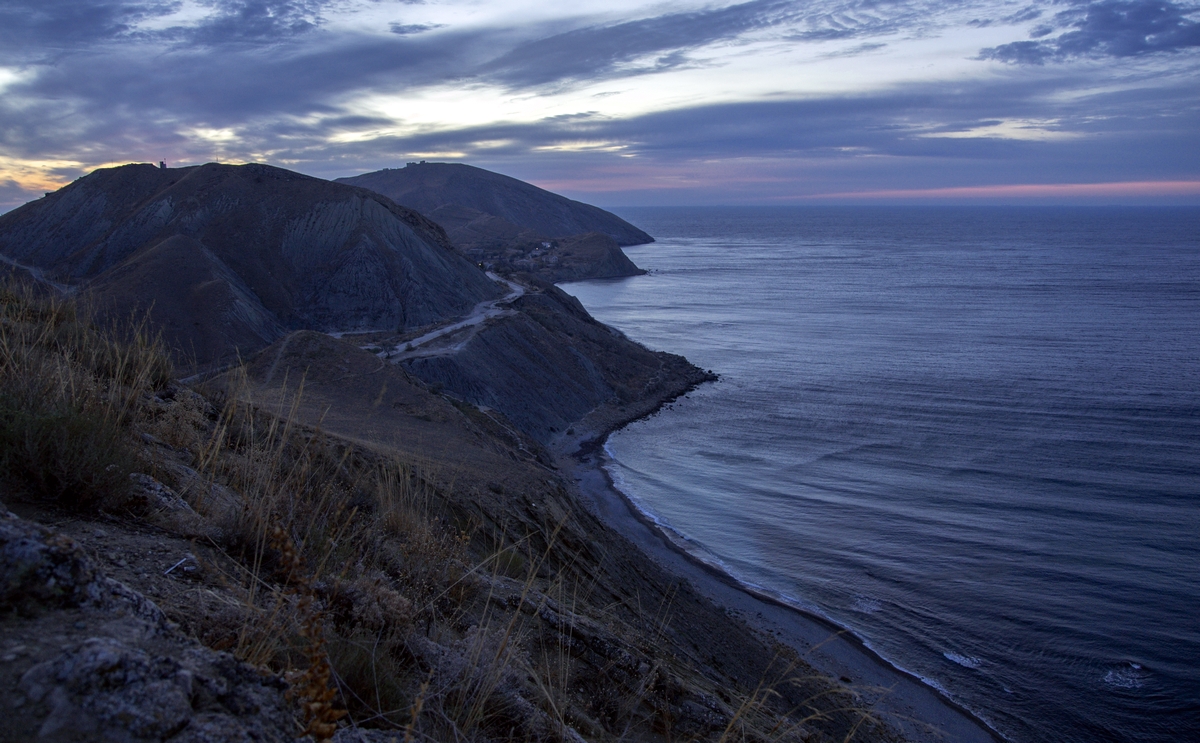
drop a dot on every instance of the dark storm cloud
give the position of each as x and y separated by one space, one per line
40 29
190 84
598 51
96 82
11 194
904 123
663 42
407 29
1029 13
855 20
1111 28
262 63
43 27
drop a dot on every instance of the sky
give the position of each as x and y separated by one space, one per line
623 103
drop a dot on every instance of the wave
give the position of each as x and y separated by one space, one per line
965 661
696 552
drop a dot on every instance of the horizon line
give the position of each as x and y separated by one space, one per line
1029 190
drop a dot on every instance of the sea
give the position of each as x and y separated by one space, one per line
968 435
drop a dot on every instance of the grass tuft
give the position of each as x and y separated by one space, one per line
69 391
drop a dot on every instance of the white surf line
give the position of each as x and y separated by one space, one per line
483 311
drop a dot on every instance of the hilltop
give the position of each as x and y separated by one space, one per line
427 187
508 224
228 260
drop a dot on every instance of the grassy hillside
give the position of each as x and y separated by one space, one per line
406 562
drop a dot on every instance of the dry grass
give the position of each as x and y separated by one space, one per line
425 637
350 573
70 391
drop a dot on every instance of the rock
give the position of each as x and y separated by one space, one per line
549 363
158 495
362 735
133 677
112 690
213 500
508 225
41 569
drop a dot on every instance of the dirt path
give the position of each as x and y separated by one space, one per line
38 275
483 311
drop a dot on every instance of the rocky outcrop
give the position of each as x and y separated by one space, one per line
87 658
590 256
230 257
429 186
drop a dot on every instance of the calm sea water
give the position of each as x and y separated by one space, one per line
970 435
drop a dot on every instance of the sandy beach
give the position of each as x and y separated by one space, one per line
915 708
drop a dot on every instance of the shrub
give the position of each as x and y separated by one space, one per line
63 452
69 391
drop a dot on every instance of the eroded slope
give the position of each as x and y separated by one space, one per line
229 257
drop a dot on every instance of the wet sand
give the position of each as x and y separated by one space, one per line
918 710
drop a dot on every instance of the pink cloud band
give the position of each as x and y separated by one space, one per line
1032 190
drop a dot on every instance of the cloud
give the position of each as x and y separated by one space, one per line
1033 130
32 30
857 50
750 152
242 21
666 42
305 84
599 51
194 86
402 29
1110 28
1028 13
45 27
855 20
1034 191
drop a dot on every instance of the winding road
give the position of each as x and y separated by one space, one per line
483 311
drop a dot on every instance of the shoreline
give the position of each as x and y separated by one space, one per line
916 708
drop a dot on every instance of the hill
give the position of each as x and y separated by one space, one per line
508 225
231 257
429 186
